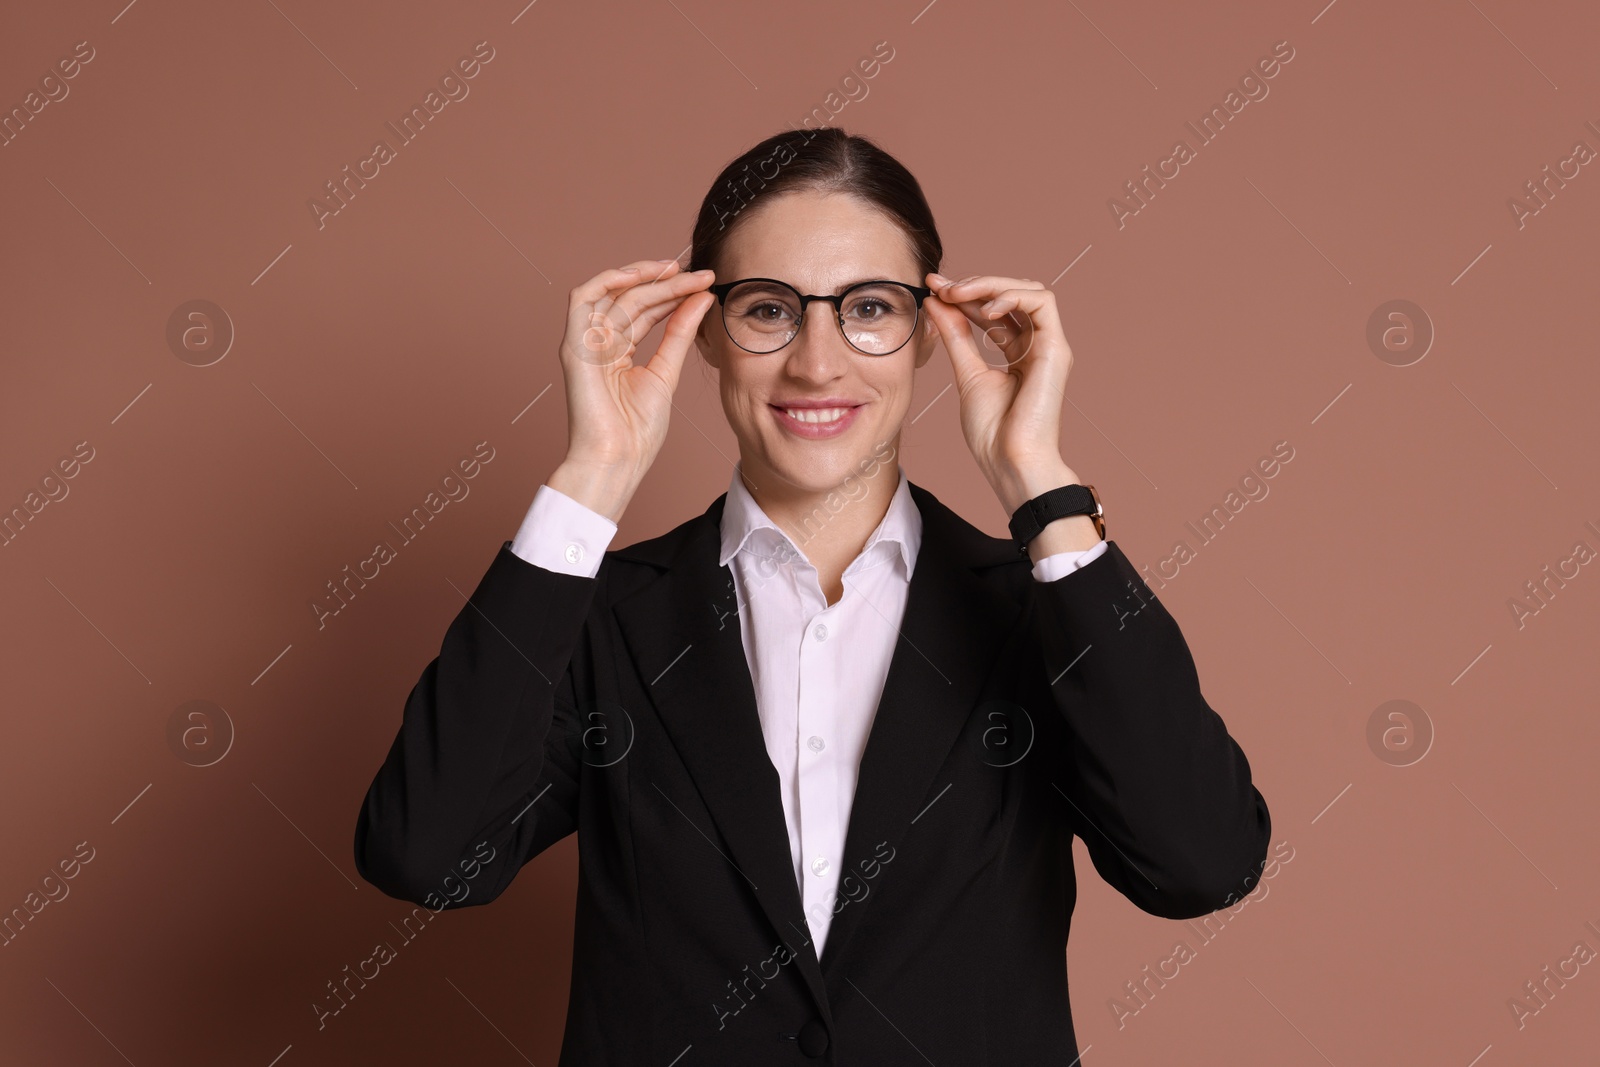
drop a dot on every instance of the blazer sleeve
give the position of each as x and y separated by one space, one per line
483 774
1155 786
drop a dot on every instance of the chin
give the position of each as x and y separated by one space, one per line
818 466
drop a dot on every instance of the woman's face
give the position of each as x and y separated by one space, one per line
818 243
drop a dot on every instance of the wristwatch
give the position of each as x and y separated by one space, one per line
1033 516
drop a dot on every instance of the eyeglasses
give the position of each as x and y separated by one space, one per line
877 318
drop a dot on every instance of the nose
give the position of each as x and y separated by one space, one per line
819 353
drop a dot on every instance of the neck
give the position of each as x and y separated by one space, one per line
831 524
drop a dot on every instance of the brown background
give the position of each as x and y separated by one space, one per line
372 354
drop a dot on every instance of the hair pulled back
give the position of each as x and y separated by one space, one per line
825 159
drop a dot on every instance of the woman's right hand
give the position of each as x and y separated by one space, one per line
617 412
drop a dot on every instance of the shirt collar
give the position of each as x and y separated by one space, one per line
745 527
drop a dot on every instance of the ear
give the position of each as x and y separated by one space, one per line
703 343
926 338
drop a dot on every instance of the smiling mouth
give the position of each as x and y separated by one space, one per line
815 416
817 423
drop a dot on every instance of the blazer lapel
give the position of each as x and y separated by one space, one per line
951 635
682 631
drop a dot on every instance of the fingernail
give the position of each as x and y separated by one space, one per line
941 279
707 270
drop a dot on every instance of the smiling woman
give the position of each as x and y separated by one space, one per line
834 708
808 401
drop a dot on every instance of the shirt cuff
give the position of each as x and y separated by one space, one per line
562 535
1061 564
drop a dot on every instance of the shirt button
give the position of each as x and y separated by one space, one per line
819 865
815 744
574 552
821 632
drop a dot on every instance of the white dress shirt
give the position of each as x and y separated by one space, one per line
818 669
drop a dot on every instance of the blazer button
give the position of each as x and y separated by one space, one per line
814 1038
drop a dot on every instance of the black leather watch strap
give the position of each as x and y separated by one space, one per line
1036 514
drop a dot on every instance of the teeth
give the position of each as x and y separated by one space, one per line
816 414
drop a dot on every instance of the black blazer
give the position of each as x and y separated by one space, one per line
1015 714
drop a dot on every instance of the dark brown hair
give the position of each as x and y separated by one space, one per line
827 159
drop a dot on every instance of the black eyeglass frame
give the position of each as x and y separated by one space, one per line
920 293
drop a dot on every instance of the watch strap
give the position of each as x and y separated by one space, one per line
1033 516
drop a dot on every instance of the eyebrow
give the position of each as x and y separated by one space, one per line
839 289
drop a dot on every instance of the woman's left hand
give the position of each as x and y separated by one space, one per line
1011 414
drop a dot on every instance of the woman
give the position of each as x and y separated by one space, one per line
826 744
